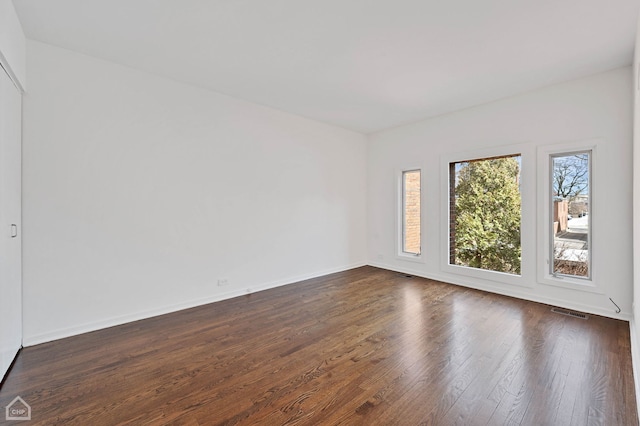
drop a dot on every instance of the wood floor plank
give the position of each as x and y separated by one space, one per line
360 347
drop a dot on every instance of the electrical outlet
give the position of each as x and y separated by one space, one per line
223 281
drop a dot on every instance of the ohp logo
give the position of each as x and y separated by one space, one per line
18 409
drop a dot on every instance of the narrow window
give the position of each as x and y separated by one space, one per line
485 214
570 225
411 212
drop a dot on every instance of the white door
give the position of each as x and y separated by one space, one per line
10 222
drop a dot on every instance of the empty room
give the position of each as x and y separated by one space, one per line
329 212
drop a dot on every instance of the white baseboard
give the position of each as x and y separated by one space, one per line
470 283
136 316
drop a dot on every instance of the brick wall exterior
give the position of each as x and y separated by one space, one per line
452 213
412 212
560 216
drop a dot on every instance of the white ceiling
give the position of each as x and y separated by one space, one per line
365 65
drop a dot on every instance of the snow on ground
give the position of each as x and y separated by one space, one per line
573 249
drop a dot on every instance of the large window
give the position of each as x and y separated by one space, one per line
410 243
570 214
485 214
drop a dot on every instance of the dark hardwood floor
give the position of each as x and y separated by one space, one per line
366 346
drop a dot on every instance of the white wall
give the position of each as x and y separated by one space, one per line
595 107
12 54
141 192
635 330
10 222
12 44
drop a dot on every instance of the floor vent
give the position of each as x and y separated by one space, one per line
402 274
570 313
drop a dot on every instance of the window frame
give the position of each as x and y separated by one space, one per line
551 247
400 214
545 216
527 218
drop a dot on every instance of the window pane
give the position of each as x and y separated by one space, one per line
570 224
484 205
411 212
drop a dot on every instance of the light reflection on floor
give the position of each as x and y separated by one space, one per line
413 321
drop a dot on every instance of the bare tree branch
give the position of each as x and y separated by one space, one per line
570 175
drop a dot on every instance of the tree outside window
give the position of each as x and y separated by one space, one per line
485 214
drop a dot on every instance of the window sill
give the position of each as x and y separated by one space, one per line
571 283
410 257
484 274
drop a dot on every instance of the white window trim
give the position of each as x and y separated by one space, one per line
400 253
544 217
527 224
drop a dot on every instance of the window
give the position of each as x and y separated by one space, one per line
485 214
566 215
570 216
410 242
